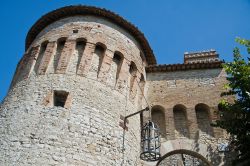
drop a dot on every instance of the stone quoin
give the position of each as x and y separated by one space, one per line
82 69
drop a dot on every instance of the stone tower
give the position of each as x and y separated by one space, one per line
78 75
84 68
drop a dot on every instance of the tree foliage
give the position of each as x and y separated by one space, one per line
235 116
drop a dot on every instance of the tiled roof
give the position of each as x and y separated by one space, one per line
179 67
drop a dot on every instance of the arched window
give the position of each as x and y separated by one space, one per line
180 121
115 68
80 46
203 118
117 59
99 51
97 59
158 117
59 48
141 91
132 71
40 55
142 83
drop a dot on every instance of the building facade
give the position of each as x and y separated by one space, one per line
84 68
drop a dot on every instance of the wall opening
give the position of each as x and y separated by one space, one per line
115 68
75 30
100 51
142 83
96 61
203 118
132 71
60 98
40 55
158 117
117 59
180 121
60 45
116 65
80 46
141 91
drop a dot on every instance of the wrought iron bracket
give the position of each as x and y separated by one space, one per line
125 119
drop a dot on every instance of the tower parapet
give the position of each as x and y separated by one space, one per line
202 56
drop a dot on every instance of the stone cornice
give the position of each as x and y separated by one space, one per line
69 11
181 67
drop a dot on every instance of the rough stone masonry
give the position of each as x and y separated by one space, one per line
84 67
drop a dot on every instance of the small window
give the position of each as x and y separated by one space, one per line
132 71
75 31
132 68
60 98
117 58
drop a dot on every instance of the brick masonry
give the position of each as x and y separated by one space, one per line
188 103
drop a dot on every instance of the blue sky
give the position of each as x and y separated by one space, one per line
171 27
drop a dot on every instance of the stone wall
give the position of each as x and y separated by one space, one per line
86 134
92 66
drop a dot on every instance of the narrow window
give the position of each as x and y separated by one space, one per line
60 46
132 71
115 68
180 121
203 118
158 117
40 55
96 61
60 98
80 46
117 59
142 83
75 30
99 51
141 91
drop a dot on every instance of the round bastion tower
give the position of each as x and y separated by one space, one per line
81 70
